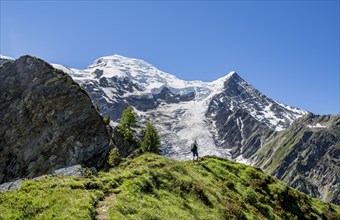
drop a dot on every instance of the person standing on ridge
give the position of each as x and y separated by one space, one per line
194 150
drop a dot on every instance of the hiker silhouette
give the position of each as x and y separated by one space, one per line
194 150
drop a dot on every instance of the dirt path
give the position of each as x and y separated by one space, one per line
102 209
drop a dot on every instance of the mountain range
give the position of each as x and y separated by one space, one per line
228 117
183 111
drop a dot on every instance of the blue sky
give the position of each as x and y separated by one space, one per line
289 50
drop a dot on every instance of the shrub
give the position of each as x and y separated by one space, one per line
114 157
97 108
250 196
106 119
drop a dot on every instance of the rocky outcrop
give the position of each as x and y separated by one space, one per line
11 185
126 148
46 122
76 170
306 156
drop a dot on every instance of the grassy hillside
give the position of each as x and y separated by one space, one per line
154 187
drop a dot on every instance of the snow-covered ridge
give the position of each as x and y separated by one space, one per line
140 72
5 57
63 68
149 78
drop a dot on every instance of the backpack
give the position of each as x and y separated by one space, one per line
193 147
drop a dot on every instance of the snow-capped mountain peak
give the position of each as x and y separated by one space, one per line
228 117
118 60
145 76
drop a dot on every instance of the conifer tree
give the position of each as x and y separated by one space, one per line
127 123
151 142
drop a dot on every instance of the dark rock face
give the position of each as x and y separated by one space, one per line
115 108
306 156
168 97
240 132
47 122
125 148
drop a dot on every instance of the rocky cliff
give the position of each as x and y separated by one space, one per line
306 156
46 121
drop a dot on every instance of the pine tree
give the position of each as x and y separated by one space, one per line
151 142
127 123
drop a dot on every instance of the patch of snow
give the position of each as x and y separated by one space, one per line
243 160
240 125
62 68
299 112
109 94
219 83
318 125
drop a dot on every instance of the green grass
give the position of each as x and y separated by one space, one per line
281 151
154 187
50 198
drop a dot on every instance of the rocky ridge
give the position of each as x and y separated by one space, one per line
47 121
